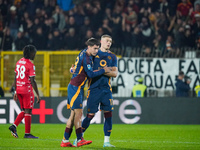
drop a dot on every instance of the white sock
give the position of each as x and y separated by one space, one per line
106 139
65 141
15 125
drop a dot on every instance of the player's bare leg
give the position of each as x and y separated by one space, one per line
68 130
77 123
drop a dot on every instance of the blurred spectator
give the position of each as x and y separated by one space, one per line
182 87
127 39
189 39
71 40
13 22
86 26
88 35
21 41
152 5
194 12
79 15
50 41
139 90
164 7
71 24
147 33
39 39
130 16
57 41
196 26
159 44
23 20
29 28
31 7
7 40
107 29
136 38
117 28
133 5
3 10
170 49
36 25
179 37
96 18
107 14
139 3
99 33
173 7
59 18
183 9
49 7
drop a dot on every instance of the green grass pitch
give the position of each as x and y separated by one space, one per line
124 137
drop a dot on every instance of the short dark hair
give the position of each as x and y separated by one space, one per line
28 50
181 73
92 42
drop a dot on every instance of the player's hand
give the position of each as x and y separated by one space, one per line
15 97
107 69
38 99
72 70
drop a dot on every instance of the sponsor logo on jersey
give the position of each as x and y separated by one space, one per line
103 63
22 62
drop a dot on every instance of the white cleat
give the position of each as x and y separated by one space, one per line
75 142
107 144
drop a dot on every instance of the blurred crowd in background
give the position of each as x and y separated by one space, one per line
163 27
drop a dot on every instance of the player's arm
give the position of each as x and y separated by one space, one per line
34 85
113 72
89 70
14 84
114 69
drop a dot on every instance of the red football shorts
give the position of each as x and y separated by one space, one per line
26 100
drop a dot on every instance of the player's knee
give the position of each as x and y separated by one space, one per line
108 114
28 111
90 116
78 114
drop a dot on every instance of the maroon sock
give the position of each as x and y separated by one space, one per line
19 118
79 133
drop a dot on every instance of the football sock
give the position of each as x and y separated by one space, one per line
19 118
67 133
107 123
86 122
106 139
27 123
79 133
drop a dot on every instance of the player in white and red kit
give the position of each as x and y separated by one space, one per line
24 84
